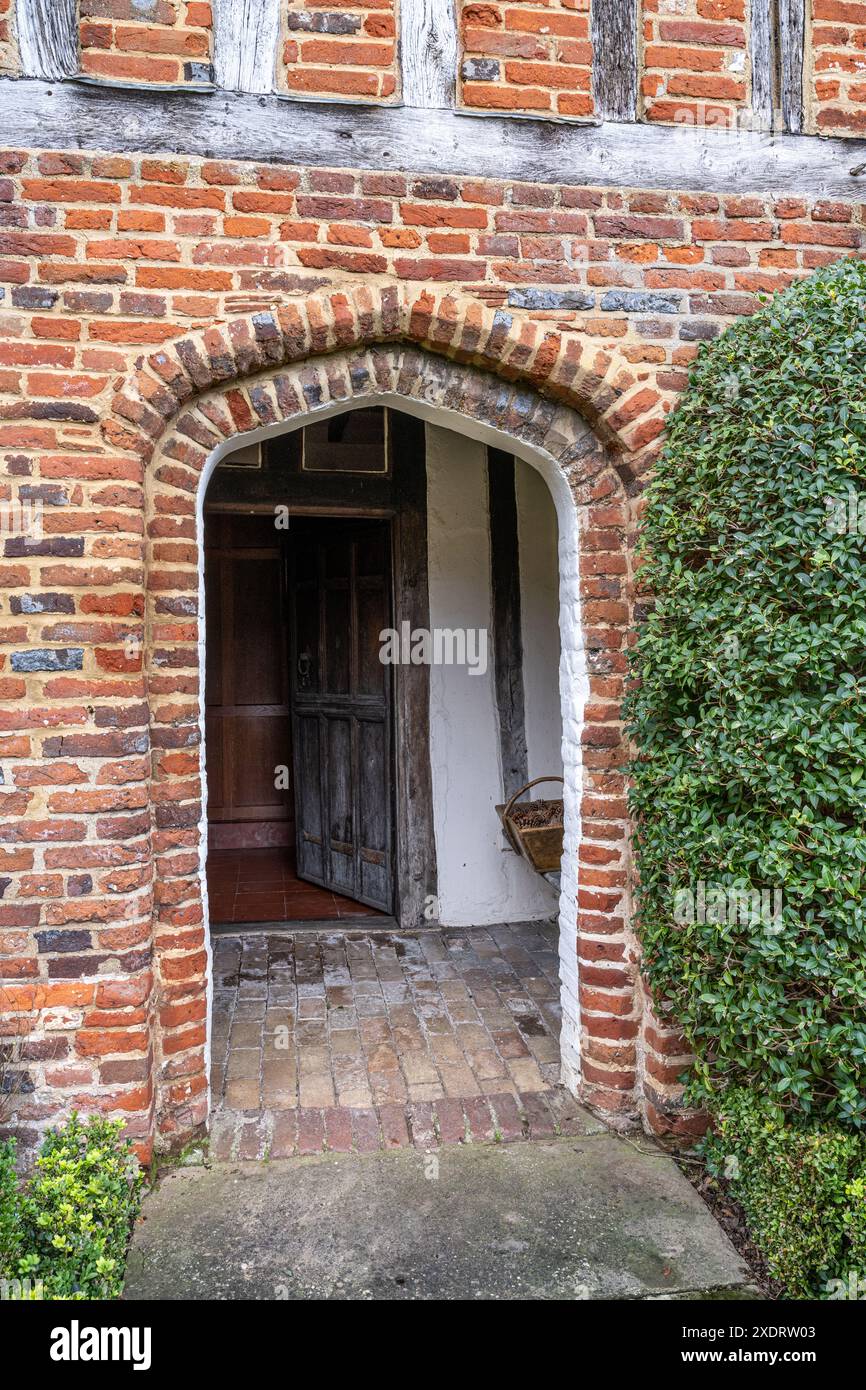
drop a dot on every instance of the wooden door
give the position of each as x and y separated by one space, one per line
247 713
341 708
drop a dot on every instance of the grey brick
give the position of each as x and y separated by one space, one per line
533 298
640 302
47 659
480 70
324 23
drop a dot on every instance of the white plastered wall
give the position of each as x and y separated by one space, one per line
538 545
480 879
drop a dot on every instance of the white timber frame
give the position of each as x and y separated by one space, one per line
247 36
48 38
246 40
429 51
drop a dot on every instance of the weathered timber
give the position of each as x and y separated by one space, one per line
507 631
246 34
792 39
778 38
614 47
428 47
765 64
48 37
272 129
415 833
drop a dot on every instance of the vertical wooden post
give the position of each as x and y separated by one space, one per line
765 64
48 38
246 37
507 633
792 40
416 836
778 36
428 48
614 63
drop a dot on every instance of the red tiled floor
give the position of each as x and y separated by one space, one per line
261 885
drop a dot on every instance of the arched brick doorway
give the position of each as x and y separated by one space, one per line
267 373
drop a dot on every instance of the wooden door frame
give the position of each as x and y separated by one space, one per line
415 872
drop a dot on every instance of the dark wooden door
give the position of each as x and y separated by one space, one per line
341 708
247 717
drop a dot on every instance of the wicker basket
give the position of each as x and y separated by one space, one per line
539 844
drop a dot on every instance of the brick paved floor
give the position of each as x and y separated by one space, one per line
365 1039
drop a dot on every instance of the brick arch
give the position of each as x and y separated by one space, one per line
600 383
267 372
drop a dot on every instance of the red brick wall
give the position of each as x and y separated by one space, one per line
695 67
341 49
838 67
145 40
107 261
526 57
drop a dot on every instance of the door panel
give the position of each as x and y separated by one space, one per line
247 712
340 693
311 852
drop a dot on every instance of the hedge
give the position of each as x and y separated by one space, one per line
802 1188
749 712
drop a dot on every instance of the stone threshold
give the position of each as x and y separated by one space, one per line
241 1136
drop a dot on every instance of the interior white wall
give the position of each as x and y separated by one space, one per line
480 878
538 544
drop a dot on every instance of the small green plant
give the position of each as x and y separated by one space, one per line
10 1208
68 1228
803 1190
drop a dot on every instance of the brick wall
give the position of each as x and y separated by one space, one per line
108 262
526 57
345 50
838 67
150 41
695 65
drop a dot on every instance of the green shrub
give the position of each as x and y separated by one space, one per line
69 1227
10 1208
749 713
803 1190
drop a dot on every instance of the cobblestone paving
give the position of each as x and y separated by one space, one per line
366 1040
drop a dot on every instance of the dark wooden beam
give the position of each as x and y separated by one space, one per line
614 59
274 130
506 626
415 838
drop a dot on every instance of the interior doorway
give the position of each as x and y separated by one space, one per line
299 717
293 722
414 599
